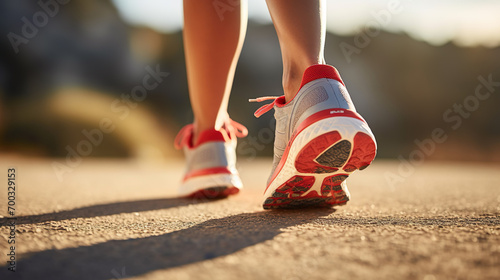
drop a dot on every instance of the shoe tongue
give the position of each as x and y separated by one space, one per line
212 135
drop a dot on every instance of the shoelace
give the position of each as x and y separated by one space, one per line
265 108
184 135
240 130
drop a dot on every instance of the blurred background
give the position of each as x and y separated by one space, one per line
66 71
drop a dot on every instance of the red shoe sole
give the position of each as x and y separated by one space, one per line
327 153
214 193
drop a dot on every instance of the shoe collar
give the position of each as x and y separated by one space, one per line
314 72
319 71
229 131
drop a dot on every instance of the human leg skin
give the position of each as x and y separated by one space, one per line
213 37
300 25
212 47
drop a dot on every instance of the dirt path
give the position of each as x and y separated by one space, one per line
118 219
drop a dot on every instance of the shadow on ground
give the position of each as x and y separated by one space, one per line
108 209
133 257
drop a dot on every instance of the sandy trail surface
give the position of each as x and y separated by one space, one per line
116 219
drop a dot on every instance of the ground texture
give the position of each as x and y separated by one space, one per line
120 219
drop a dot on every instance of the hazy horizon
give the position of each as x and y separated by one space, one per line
463 22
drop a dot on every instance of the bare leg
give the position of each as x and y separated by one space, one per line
212 41
300 25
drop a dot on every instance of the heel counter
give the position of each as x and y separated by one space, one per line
319 95
208 155
341 95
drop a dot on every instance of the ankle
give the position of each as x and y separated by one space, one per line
292 78
291 83
198 128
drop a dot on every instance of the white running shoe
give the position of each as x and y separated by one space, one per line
320 140
211 162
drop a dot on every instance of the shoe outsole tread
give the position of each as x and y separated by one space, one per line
296 192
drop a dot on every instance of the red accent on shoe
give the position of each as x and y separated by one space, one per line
212 135
305 161
230 130
320 71
213 194
207 171
329 113
184 138
363 152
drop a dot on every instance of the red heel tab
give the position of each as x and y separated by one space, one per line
212 135
320 71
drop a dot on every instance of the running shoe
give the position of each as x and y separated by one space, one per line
320 140
211 162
